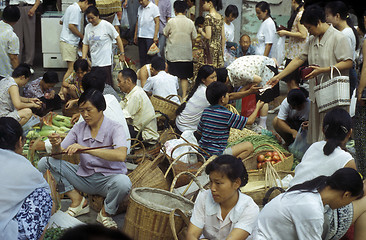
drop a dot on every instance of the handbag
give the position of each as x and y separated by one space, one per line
332 93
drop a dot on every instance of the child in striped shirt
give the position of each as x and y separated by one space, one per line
216 121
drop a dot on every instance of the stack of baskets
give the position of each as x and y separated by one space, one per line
165 106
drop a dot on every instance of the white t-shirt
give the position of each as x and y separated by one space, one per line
315 163
9 44
229 32
100 38
351 39
266 35
206 215
146 23
73 16
189 118
287 112
163 84
291 215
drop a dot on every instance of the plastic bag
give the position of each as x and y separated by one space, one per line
188 158
300 145
280 50
352 107
125 23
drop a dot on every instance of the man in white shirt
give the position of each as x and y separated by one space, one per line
147 28
71 32
162 83
25 28
294 111
9 42
137 108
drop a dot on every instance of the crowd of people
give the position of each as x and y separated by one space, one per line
197 63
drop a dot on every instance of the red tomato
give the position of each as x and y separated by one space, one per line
275 153
273 162
260 158
259 165
276 158
269 154
267 159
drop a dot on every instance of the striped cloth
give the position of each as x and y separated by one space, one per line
215 125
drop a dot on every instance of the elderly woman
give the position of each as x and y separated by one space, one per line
25 200
100 171
326 47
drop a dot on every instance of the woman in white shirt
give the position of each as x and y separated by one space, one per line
267 31
299 212
223 212
336 13
98 38
189 112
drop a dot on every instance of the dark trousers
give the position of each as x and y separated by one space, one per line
144 45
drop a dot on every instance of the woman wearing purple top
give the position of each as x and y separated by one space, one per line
100 171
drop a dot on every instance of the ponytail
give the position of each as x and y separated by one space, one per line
204 72
330 146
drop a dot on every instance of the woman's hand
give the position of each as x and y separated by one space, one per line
259 104
122 58
70 103
305 125
282 33
73 148
75 118
316 71
36 103
273 81
55 139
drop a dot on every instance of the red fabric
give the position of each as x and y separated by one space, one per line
349 234
248 104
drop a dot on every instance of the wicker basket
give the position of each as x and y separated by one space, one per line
148 213
260 181
108 6
287 159
165 106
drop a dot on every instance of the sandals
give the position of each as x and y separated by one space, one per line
107 222
79 210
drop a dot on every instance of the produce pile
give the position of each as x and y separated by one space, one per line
270 156
51 123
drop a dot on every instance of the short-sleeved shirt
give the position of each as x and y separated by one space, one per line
9 44
137 106
33 89
287 112
315 163
74 80
73 16
229 32
215 125
100 38
146 23
165 10
207 216
291 215
163 84
6 104
351 39
110 133
266 35
295 45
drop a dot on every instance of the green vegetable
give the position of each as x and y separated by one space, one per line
54 233
46 133
32 134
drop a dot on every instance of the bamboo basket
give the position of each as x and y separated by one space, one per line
287 159
165 106
260 181
148 213
108 6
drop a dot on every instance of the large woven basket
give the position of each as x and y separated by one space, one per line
108 6
164 106
148 213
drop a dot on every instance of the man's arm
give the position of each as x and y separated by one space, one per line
73 28
156 32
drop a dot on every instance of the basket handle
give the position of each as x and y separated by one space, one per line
179 157
172 221
174 95
332 69
138 142
194 177
271 175
185 144
281 153
157 115
269 192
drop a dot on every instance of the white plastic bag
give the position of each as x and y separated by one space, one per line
124 19
352 107
280 50
300 145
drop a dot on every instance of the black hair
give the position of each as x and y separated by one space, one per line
215 91
129 73
94 79
344 179
264 6
180 6
158 63
50 77
23 69
233 10
11 14
81 64
95 97
296 97
93 232
294 13
312 15
199 20
204 72
337 124
10 132
231 166
343 11
216 3
221 74
92 2
92 9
